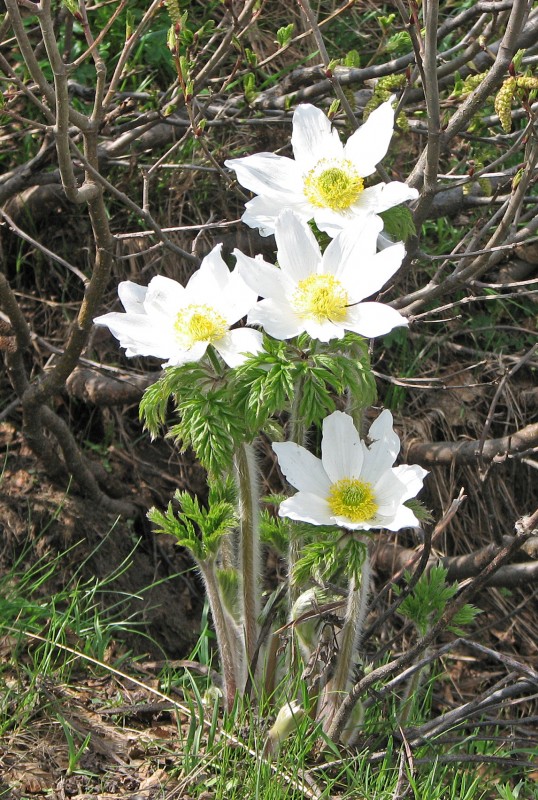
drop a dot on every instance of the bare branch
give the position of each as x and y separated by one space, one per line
447 453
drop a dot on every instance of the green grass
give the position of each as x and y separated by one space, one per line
209 752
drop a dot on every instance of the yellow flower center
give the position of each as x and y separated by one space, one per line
333 184
321 297
353 499
199 324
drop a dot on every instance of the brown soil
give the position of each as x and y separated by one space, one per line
39 521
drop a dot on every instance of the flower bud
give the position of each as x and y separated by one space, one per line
286 722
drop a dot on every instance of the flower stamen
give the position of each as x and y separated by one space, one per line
333 184
321 297
353 499
199 323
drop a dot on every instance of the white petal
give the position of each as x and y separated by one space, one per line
267 174
344 522
403 518
331 222
413 477
164 297
382 430
263 278
371 274
352 246
383 196
298 251
313 137
369 145
137 333
324 330
373 319
132 297
341 447
383 451
302 469
388 491
307 508
212 276
262 212
276 318
237 299
194 353
235 345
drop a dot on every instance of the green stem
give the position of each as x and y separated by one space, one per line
249 544
296 424
228 650
297 434
350 637
214 359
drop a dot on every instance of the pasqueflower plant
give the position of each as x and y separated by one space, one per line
325 181
229 383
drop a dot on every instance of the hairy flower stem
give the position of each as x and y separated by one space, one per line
249 544
297 435
228 558
230 658
357 606
412 688
296 424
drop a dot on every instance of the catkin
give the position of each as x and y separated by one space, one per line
173 10
503 103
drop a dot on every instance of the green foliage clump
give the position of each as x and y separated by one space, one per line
216 413
200 529
428 600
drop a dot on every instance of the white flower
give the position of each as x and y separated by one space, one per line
352 485
321 294
325 182
177 323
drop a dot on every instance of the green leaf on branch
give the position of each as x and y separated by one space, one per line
353 554
173 382
172 6
264 383
284 35
352 59
249 87
268 381
72 6
211 426
251 57
399 42
321 555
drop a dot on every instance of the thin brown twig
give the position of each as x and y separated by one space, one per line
500 388
408 657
